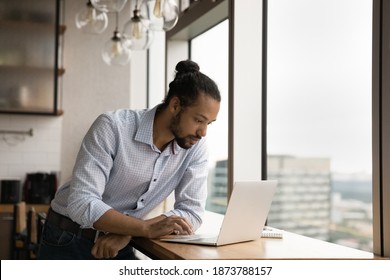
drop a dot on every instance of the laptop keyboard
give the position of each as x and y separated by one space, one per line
206 239
195 237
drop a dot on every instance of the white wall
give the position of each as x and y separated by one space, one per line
157 76
89 85
39 153
92 87
247 71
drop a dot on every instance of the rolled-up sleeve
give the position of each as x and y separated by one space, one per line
91 173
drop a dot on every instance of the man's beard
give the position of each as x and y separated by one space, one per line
183 142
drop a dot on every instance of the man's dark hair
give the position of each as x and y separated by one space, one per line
189 82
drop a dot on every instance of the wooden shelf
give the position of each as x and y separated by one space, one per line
9 208
30 111
28 68
25 25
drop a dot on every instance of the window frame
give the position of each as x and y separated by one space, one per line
381 127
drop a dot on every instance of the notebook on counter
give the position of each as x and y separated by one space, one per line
245 215
270 232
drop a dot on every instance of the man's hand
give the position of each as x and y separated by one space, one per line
107 246
167 225
115 222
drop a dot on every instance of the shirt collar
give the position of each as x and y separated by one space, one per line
145 129
145 132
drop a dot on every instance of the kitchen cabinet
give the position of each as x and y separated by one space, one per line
31 42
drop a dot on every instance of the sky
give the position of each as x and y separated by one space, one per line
319 81
319 87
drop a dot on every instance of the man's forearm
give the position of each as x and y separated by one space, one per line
116 222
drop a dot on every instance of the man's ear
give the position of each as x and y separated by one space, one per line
174 105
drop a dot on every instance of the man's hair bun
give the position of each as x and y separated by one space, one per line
187 66
189 83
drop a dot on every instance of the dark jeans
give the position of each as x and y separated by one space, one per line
57 244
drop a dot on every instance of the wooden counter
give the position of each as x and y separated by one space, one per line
291 246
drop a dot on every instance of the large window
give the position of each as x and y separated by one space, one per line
210 51
315 84
319 118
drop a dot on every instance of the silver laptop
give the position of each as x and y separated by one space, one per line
245 216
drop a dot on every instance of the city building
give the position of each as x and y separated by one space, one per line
302 203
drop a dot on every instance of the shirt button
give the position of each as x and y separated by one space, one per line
154 180
142 200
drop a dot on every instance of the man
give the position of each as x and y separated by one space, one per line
128 163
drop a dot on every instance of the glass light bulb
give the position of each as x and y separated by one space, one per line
136 36
136 29
157 9
109 6
170 14
90 20
114 52
163 14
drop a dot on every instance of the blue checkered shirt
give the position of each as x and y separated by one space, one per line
119 167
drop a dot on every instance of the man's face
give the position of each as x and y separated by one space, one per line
189 125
